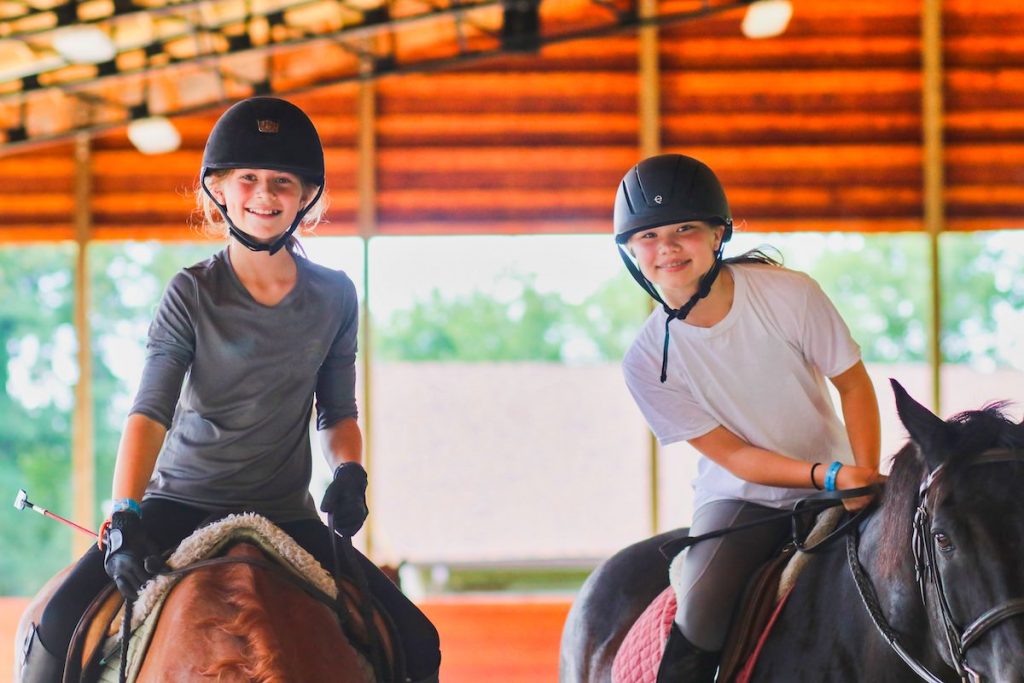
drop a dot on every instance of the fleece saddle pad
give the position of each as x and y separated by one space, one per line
639 656
205 542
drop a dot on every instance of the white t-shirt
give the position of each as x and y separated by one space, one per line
759 372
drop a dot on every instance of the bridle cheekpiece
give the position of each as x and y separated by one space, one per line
958 641
926 572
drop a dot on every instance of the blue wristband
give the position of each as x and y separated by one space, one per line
830 476
122 504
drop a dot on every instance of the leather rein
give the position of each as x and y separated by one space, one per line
927 576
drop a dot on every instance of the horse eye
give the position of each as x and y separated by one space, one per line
943 541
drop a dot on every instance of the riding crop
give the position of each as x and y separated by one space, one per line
21 502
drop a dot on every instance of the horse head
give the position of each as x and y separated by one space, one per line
968 533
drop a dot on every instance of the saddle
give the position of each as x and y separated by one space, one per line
639 655
94 653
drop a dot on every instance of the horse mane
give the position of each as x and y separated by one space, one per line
968 433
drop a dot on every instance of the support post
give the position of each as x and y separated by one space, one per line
649 109
366 219
934 175
83 462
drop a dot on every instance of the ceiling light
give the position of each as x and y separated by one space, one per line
767 18
15 56
84 45
154 135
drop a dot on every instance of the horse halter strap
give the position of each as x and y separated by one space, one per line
927 574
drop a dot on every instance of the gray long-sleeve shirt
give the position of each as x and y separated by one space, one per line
234 380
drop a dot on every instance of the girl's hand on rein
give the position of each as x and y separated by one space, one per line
852 477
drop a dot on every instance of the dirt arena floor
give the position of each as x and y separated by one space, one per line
507 639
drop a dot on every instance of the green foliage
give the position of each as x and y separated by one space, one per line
34 433
983 298
880 285
126 284
36 342
531 325
883 290
475 328
611 316
869 286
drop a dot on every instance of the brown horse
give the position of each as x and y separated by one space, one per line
238 618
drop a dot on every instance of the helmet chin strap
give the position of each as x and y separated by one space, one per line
250 242
703 289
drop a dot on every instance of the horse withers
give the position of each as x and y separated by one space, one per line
930 588
242 602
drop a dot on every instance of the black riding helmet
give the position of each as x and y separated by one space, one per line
662 190
666 189
270 133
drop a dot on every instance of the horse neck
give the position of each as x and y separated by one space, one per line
897 590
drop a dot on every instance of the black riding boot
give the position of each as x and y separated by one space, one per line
40 665
684 662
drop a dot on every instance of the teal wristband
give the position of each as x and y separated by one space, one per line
830 475
122 504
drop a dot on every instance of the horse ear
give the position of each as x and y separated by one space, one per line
927 430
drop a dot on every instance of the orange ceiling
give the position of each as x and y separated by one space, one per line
819 129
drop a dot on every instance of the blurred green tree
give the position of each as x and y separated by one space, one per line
880 284
477 327
35 329
37 370
883 291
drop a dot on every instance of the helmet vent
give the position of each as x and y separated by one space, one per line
625 195
267 126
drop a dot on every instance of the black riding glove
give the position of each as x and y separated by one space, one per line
126 548
345 498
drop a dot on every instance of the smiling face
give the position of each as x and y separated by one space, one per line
261 202
676 256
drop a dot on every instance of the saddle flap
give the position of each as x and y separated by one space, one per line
755 611
91 632
639 656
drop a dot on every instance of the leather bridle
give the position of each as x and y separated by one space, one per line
929 580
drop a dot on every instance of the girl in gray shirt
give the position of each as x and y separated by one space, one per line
241 348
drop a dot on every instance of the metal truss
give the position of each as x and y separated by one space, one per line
175 57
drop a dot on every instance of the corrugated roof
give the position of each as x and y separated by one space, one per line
819 129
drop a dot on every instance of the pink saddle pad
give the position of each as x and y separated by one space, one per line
640 653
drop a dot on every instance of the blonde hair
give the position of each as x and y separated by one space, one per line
210 221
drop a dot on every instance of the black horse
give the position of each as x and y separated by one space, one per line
931 588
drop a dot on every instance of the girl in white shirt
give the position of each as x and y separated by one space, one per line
734 362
